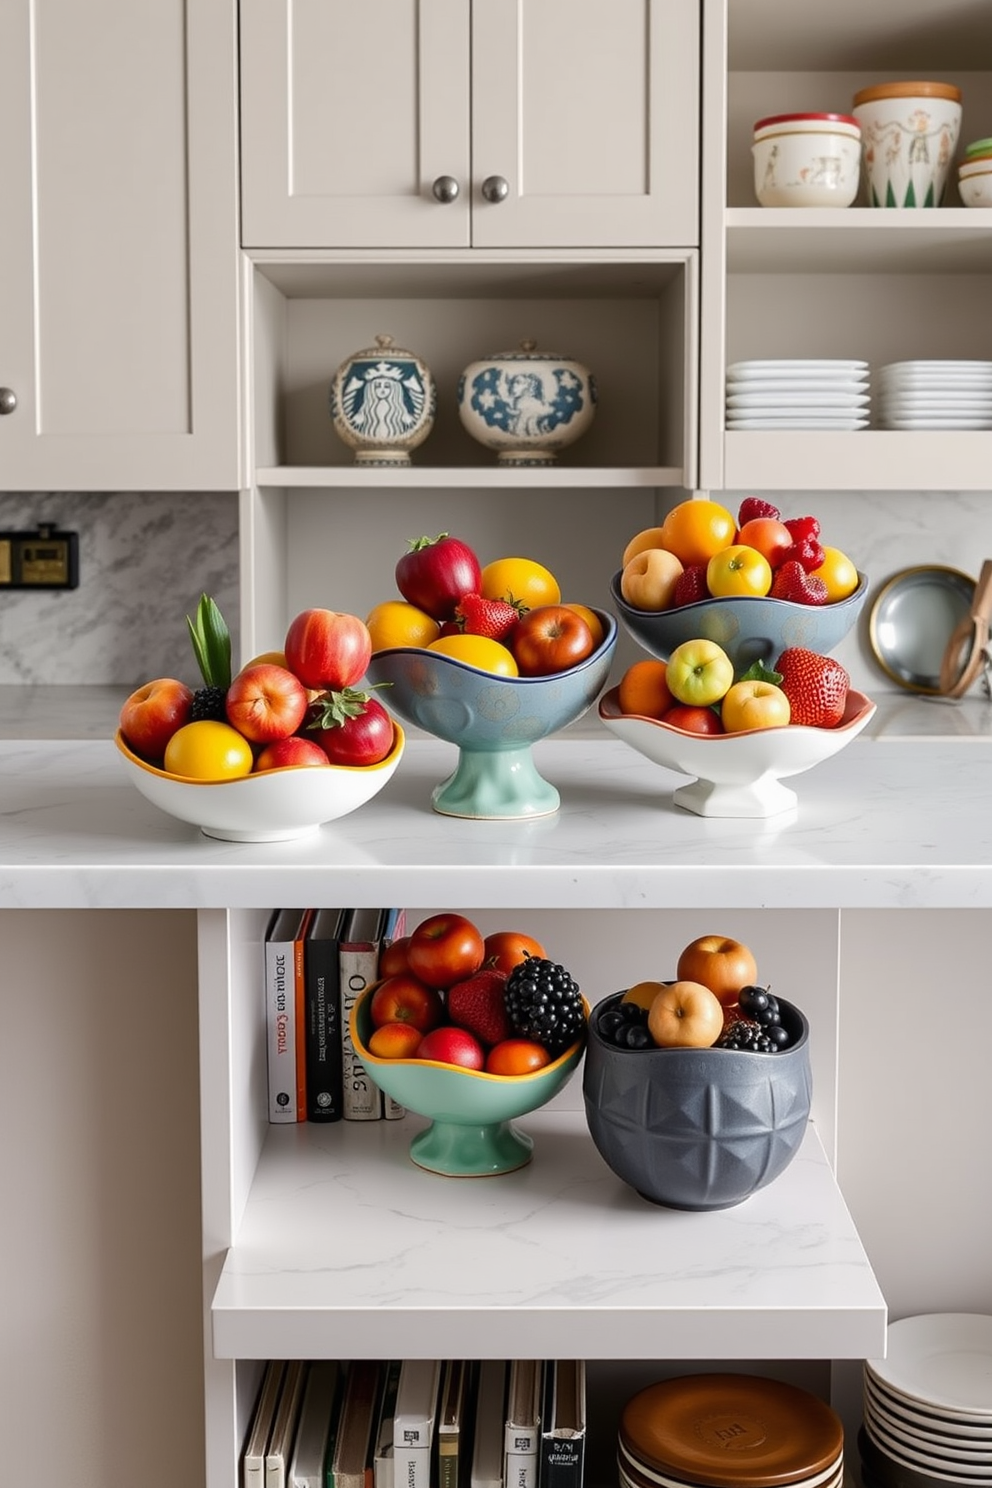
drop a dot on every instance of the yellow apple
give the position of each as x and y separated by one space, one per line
751 704
738 570
685 1015
699 673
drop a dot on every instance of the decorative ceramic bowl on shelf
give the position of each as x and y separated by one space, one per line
748 628
975 183
909 132
493 720
272 806
382 401
741 774
527 404
807 160
471 1132
697 1128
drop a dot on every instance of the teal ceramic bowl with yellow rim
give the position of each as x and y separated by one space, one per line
471 1132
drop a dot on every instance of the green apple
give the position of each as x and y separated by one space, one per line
699 673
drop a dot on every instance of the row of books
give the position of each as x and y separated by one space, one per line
317 964
418 1423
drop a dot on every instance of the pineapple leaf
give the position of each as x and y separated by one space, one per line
211 643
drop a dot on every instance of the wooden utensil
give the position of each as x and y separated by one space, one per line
966 656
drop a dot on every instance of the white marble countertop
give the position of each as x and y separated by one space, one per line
891 821
610 1276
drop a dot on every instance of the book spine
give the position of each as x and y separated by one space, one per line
447 1460
362 1100
562 1462
411 1467
300 1017
521 1464
325 1081
280 1009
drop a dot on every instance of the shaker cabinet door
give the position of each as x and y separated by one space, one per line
119 291
589 113
355 123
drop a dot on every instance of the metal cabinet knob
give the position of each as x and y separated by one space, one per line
8 400
445 189
495 189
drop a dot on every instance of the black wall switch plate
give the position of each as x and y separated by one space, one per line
44 559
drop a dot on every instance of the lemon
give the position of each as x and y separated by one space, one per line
207 750
477 651
838 573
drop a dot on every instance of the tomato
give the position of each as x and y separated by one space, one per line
208 750
521 580
738 570
363 737
505 949
396 622
478 651
693 720
697 529
517 1056
328 650
550 639
436 572
445 949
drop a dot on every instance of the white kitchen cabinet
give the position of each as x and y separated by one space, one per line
447 124
880 285
118 237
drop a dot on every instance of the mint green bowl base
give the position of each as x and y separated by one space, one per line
471 1134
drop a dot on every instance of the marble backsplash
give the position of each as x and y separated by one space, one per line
145 559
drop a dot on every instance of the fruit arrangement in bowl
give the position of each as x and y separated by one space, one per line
489 658
270 752
740 737
470 1031
755 584
697 1090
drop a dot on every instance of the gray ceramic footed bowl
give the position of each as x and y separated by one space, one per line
697 1128
748 628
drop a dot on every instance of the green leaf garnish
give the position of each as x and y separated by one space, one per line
211 643
758 672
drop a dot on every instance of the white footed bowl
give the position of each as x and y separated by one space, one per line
739 774
806 160
272 806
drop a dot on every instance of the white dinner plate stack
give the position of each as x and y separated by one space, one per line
935 395
928 1404
798 394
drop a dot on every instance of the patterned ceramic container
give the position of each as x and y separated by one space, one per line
909 132
383 401
806 160
526 404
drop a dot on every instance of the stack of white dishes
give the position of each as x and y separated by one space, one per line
928 1404
935 395
798 394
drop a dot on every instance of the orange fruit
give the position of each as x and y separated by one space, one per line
696 529
643 994
208 750
478 651
267 658
838 573
395 1041
644 689
395 622
651 537
520 579
592 620
516 1056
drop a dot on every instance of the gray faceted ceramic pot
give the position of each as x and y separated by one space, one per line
697 1128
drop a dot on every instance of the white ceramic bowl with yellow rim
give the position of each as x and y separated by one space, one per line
806 160
271 806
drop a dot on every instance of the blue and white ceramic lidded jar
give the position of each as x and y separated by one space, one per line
383 402
526 404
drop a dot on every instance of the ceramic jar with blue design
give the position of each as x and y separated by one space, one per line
383 402
526 404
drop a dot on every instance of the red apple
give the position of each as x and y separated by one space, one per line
436 573
721 963
291 751
685 1015
449 1045
550 639
361 737
328 650
505 949
445 949
405 999
392 958
153 713
693 720
266 702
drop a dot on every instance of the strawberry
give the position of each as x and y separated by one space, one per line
478 1005
815 685
495 618
803 527
807 552
690 585
753 506
791 581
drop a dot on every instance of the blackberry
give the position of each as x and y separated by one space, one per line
747 1036
208 702
543 1002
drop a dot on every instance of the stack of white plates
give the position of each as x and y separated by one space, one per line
928 1404
798 394
935 395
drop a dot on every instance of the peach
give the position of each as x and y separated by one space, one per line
648 580
153 713
395 1041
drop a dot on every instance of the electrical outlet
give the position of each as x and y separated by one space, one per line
44 559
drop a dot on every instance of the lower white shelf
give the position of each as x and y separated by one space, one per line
347 1250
